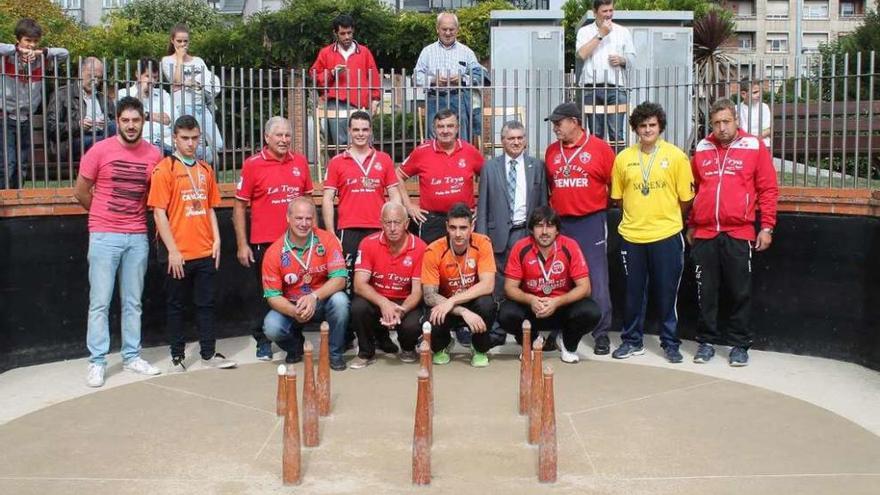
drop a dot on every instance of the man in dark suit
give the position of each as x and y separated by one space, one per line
512 185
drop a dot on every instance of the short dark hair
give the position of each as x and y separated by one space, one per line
720 105
129 103
28 27
187 122
544 214
599 3
148 63
444 114
342 20
460 210
644 111
360 115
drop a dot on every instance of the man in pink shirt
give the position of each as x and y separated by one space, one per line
112 185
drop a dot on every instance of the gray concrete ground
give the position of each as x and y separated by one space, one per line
786 423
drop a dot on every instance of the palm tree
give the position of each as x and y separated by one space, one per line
713 68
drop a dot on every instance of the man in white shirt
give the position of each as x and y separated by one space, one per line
607 51
754 115
157 105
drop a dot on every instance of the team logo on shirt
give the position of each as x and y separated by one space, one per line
285 259
471 263
378 167
320 250
295 171
557 267
462 163
407 261
290 279
664 164
585 157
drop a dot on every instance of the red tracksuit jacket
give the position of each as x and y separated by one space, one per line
731 182
358 84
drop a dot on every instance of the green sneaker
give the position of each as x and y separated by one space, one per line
480 360
441 357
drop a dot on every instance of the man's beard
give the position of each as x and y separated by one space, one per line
131 141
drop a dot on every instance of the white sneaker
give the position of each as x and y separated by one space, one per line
219 361
96 375
564 354
141 367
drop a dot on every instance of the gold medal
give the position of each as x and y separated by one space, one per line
547 290
307 278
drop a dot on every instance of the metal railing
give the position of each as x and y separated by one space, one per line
823 118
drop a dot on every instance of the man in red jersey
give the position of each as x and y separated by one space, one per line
303 280
578 176
446 167
361 176
269 181
388 289
547 282
734 175
346 74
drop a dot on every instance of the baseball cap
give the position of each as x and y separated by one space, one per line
564 111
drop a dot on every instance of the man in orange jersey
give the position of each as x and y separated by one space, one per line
183 195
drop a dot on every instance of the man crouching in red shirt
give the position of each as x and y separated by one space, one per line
734 174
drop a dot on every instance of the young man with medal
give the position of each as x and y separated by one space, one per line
579 175
458 276
304 280
547 282
388 289
269 181
361 176
183 195
734 175
653 181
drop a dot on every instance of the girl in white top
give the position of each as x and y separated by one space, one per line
193 85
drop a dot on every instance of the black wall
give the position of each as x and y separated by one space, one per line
816 291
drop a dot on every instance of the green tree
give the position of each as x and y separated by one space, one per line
852 55
159 16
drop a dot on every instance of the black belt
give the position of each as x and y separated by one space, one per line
518 226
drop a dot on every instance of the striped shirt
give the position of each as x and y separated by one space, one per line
437 59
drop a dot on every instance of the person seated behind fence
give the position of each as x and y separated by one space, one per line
194 87
754 115
157 104
184 195
23 67
547 281
347 78
79 114
443 68
388 289
304 278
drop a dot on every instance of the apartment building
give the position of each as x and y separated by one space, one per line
773 34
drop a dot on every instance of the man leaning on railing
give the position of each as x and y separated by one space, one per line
23 66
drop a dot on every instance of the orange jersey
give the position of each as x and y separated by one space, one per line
187 194
457 273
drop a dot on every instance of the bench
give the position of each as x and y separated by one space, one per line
828 128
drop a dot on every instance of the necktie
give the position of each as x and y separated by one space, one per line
511 184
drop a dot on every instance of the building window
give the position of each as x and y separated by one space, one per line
815 10
811 41
69 4
745 42
115 4
777 10
742 9
852 8
777 42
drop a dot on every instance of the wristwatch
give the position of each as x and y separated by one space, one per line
599 37
768 230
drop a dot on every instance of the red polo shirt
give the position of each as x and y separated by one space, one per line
361 188
563 267
283 271
444 179
579 175
358 84
391 275
268 184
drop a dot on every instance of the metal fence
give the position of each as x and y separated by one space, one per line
823 117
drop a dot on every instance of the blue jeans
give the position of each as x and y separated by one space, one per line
653 268
612 126
457 100
14 148
111 254
337 129
287 332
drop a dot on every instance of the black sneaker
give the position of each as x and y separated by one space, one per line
704 353
673 355
602 346
388 347
293 358
337 364
739 357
